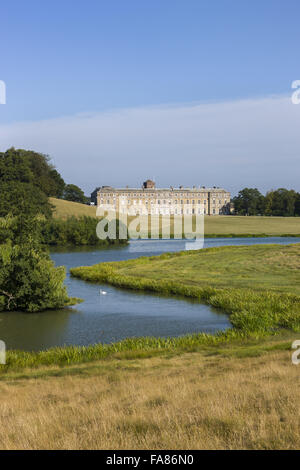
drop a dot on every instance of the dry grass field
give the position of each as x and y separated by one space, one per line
189 401
65 209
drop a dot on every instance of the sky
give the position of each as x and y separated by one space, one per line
191 92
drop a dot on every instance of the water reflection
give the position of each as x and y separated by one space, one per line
120 313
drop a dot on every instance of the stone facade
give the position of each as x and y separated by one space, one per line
208 201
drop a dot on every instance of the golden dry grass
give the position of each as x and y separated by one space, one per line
192 401
65 209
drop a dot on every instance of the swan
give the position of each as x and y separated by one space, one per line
103 292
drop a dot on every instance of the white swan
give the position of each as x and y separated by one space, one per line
103 292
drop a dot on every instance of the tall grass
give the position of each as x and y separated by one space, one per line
142 347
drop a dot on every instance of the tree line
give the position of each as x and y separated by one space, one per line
279 202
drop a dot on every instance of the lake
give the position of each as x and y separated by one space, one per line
120 313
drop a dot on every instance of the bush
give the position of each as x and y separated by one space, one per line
29 281
74 231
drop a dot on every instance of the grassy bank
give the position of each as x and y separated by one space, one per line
227 342
258 286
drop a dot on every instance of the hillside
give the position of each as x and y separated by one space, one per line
65 209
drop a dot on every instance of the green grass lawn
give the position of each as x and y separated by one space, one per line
237 225
258 285
258 267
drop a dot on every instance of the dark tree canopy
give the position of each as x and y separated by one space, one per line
23 199
249 202
74 193
26 166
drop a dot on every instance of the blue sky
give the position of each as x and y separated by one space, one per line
63 59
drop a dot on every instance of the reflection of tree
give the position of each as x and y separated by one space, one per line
34 331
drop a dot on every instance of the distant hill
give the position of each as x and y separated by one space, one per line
65 209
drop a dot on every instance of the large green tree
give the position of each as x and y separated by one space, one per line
281 202
19 198
26 166
249 201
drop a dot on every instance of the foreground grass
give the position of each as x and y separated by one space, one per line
258 285
210 399
234 390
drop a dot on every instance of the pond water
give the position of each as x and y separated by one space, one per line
120 313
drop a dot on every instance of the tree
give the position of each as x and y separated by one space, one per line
281 202
74 193
26 166
29 281
23 198
249 202
297 204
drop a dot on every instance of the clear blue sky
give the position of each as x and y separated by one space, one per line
68 56
60 58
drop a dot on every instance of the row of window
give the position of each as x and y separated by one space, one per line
164 202
154 195
165 212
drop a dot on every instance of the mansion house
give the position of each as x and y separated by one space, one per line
151 200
